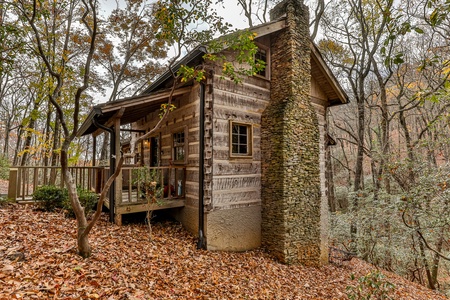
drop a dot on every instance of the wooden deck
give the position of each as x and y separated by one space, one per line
128 207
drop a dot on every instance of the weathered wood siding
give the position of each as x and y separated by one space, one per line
237 181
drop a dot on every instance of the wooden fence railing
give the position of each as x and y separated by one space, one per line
169 182
23 181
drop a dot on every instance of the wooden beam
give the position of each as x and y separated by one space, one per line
118 180
134 208
12 186
143 99
268 28
111 121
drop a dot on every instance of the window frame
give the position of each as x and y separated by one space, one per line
267 68
249 127
184 146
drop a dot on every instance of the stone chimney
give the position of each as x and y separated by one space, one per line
291 196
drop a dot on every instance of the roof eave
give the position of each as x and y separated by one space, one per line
342 97
186 60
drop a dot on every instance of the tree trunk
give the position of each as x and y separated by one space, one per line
18 145
7 131
431 283
27 144
56 144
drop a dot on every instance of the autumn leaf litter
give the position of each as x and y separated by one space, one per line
38 260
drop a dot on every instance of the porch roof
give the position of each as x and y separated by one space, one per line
134 108
128 110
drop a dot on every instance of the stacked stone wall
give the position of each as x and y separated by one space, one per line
291 196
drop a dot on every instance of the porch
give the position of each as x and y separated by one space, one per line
128 192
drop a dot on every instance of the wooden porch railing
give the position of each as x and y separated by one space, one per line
171 183
23 181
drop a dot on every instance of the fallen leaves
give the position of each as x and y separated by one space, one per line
126 265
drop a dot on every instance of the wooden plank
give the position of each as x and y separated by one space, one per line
247 103
133 208
237 205
223 153
229 113
236 196
236 182
225 167
12 185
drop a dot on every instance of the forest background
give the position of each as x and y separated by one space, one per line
390 199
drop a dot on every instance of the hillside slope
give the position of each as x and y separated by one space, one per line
126 265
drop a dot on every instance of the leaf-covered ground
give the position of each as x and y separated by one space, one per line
126 265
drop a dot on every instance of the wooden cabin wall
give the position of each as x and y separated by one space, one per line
184 117
233 217
237 181
320 103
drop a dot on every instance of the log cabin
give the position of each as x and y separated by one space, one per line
243 165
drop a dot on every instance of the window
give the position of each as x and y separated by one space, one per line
240 139
261 55
178 147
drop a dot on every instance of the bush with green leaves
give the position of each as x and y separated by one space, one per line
4 167
88 200
50 197
371 286
400 230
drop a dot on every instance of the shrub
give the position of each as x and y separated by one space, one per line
4 168
50 197
87 199
5 201
370 286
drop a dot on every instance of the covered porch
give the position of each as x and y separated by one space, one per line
115 119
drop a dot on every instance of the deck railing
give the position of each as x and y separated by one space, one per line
23 181
169 181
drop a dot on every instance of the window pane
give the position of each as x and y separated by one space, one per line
235 129
235 149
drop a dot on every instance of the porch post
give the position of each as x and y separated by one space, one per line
94 150
118 182
12 186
